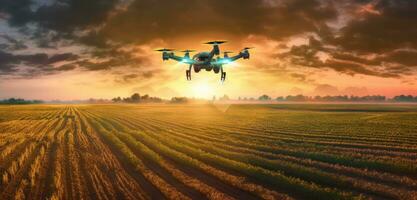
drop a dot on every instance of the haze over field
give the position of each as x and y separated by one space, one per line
77 49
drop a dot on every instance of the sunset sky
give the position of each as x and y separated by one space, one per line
77 49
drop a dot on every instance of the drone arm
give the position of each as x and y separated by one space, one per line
184 59
214 51
174 57
244 54
226 60
237 57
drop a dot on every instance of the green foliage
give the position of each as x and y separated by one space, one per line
18 101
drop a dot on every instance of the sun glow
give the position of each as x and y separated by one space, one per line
203 90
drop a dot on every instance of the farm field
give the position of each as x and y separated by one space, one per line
282 151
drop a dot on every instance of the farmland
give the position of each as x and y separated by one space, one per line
201 152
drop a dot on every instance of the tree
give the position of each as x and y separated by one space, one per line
127 100
404 98
144 97
297 98
135 97
117 99
19 101
179 100
281 98
264 98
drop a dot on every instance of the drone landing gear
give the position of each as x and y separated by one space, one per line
223 75
188 75
223 78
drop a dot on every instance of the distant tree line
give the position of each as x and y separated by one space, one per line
338 98
405 98
136 98
18 101
179 100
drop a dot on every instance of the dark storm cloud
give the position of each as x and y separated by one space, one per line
18 11
8 59
380 40
356 59
9 63
403 57
392 29
66 15
121 59
61 15
353 68
102 25
149 19
12 43
62 57
44 59
143 18
348 63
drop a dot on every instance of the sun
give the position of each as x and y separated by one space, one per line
203 90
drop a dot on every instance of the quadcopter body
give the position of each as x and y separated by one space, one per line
206 60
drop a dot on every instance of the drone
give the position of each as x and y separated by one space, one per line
206 60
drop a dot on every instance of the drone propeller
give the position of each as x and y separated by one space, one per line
226 53
247 48
165 50
216 42
187 51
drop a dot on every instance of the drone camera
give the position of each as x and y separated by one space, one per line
246 55
165 56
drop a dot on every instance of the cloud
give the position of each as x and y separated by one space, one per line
374 38
392 64
12 43
141 21
40 62
170 19
326 89
134 77
295 91
300 77
60 15
62 57
7 63
353 68
403 57
358 91
387 31
66 67
377 40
